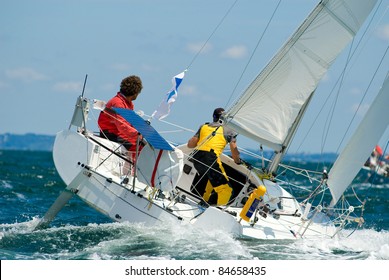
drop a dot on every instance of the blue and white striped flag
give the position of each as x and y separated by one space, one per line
164 108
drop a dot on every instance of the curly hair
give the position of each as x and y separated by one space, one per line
131 85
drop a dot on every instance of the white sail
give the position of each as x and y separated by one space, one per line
270 105
358 149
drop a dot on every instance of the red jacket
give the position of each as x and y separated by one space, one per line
116 124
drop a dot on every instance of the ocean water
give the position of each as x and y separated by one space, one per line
29 184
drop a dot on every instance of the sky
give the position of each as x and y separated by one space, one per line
47 47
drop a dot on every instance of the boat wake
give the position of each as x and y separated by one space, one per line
119 241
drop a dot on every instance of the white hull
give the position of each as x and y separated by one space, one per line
95 177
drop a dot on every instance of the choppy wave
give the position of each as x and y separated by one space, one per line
114 241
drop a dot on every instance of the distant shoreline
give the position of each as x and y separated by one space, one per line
26 142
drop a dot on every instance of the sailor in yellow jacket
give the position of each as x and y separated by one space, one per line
209 142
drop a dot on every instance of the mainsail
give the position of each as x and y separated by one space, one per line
358 149
268 109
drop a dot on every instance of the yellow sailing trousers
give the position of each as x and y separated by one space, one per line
223 193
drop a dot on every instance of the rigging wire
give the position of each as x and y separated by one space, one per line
252 55
340 82
364 95
336 84
330 118
253 52
213 32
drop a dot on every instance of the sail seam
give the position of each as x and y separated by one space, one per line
340 21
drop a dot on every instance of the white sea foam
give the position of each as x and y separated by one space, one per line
5 184
20 196
167 241
174 242
362 244
18 228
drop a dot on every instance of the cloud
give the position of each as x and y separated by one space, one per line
196 47
68 86
25 74
383 32
235 52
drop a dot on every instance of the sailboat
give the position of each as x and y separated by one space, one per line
375 170
163 182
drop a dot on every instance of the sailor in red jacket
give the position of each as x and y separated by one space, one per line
113 126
